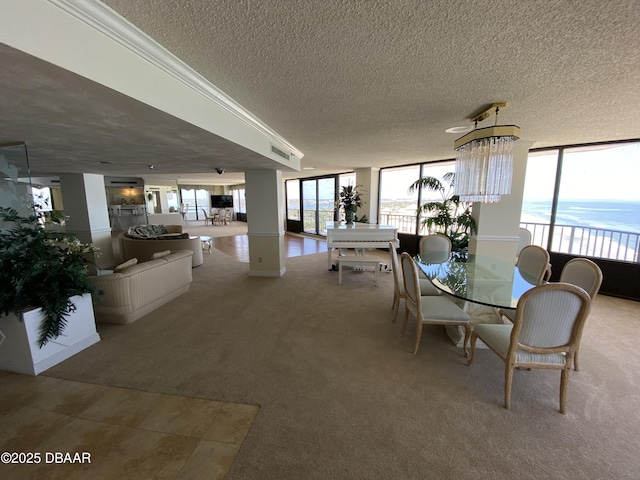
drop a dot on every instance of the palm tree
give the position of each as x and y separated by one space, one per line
449 216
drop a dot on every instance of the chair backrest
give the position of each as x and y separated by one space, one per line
410 280
184 207
525 239
550 316
204 212
435 248
398 283
214 211
583 273
115 210
533 260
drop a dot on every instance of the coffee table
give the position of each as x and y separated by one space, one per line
206 243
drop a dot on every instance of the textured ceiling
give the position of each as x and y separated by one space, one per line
366 83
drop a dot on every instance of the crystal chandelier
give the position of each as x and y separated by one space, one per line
484 159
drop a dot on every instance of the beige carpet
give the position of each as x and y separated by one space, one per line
342 397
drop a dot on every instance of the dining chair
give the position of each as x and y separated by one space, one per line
215 215
534 260
435 247
184 210
139 215
525 239
207 218
545 334
228 216
587 275
115 212
223 216
426 287
429 309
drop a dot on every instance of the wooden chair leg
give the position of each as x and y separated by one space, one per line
467 335
474 337
508 379
418 335
406 319
395 306
564 383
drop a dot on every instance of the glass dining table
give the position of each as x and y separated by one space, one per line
479 279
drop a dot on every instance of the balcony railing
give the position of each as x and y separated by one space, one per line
588 241
574 240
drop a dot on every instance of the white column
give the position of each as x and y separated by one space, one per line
498 223
85 202
369 178
265 222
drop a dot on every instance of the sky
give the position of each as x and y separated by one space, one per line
606 173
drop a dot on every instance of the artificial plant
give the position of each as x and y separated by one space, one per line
41 268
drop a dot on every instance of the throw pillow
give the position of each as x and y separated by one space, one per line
160 254
128 263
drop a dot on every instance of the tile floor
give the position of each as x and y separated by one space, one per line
126 433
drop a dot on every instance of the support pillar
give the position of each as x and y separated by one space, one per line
369 178
265 222
498 223
85 202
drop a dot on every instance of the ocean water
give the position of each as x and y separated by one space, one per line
607 214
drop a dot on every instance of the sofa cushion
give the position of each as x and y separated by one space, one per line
126 264
154 232
161 254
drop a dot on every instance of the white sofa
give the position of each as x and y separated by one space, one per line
136 290
143 249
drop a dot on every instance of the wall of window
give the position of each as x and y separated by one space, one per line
196 200
537 200
311 202
596 210
293 199
398 206
239 200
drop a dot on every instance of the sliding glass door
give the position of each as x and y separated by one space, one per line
318 204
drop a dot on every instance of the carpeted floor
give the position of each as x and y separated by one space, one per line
341 396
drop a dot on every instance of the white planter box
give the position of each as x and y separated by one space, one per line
19 351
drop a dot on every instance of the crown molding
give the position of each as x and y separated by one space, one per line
99 16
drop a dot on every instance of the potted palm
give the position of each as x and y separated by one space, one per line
46 309
447 215
350 199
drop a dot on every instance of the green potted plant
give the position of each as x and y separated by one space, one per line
45 270
449 215
350 199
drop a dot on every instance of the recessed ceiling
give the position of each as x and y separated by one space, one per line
352 84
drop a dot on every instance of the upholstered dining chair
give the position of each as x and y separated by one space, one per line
222 212
228 216
430 309
115 212
426 287
585 274
207 218
184 210
435 247
534 260
215 215
545 333
525 239
139 215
